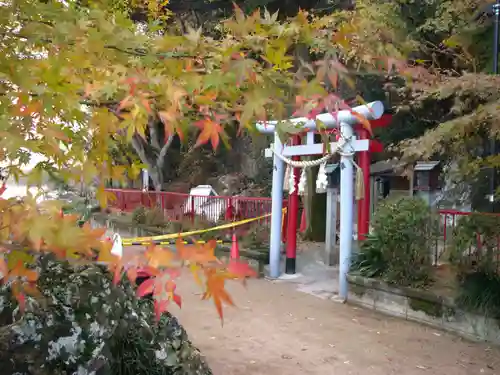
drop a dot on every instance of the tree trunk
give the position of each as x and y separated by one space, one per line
156 175
153 151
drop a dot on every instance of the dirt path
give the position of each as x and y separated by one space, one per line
278 331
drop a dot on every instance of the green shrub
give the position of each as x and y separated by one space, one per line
464 250
155 217
474 250
399 248
83 324
139 215
255 237
479 292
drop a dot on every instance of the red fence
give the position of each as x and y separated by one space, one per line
474 252
178 206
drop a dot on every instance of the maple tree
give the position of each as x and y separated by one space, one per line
77 80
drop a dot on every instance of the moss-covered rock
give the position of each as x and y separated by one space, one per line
84 325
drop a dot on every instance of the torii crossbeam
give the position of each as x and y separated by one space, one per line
346 146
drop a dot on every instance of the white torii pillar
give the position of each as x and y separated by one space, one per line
344 120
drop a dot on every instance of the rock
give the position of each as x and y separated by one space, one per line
229 184
84 325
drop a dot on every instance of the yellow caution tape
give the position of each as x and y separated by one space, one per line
173 242
128 241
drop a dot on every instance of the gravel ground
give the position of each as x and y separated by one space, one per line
277 330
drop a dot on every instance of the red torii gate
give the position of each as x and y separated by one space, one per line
364 161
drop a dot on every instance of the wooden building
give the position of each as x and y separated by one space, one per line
387 181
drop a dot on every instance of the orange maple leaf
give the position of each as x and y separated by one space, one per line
4 270
113 262
170 287
363 121
20 271
197 253
159 257
210 131
91 238
168 118
215 289
126 102
146 103
31 290
104 254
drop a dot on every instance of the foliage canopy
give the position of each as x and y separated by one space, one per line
80 79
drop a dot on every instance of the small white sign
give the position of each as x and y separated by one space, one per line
117 248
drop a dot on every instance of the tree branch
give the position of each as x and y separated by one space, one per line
161 157
140 52
141 147
153 133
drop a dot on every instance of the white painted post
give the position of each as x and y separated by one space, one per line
346 213
276 210
145 180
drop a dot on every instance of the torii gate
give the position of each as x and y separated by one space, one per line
346 146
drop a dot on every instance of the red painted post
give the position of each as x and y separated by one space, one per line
293 217
364 204
192 208
229 215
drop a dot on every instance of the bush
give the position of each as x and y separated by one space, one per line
399 248
480 293
255 237
83 324
139 215
155 217
475 243
474 249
